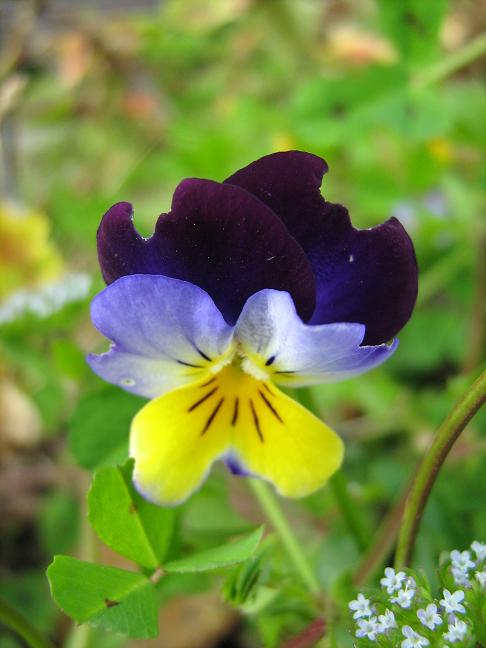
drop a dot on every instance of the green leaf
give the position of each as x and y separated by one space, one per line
125 521
113 599
224 556
241 584
99 426
414 26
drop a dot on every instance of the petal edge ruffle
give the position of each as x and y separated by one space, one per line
363 276
218 237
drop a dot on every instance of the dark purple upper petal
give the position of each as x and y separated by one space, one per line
364 276
289 183
217 236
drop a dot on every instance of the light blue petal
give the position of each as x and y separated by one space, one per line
296 354
165 333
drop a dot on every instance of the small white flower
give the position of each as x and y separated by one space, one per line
392 580
461 560
387 621
457 631
481 577
403 598
361 607
452 602
368 628
413 640
429 616
461 577
46 299
479 549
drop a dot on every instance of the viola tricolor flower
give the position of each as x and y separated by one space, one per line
245 286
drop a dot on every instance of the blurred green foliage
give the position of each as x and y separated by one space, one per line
122 108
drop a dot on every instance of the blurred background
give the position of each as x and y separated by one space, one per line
110 100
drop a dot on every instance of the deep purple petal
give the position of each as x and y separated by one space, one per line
363 276
121 249
288 183
367 276
216 236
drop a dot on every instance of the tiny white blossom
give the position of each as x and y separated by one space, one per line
387 621
410 583
361 607
481 577
457 631
461 560
392 580
413 640
403 598
479 549
429 617
46 299
368 628
461 577
452 602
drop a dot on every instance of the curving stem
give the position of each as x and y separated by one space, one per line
15 620
269 503
428 470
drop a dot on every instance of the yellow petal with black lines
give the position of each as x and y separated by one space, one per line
176 438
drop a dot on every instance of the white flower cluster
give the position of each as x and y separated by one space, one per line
464 562
404 615
45 300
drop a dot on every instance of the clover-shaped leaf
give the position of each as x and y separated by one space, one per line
113 599
125 521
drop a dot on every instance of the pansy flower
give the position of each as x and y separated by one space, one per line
246 287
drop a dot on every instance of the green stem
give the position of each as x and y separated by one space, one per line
428 470
13 619
451 63
270 506
80 634
339 487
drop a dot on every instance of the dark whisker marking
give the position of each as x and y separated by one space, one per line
265 386
188 364
212 416
270 361
286 372
256 421
235 411
202 354
208 382
270 406
201 400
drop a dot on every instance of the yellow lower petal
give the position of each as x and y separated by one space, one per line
282 442
176 438
174 442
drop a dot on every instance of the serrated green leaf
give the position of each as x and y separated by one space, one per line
223 556
108 597
125 521
99 427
